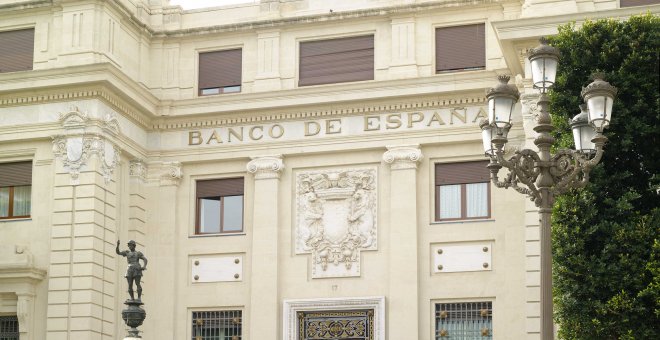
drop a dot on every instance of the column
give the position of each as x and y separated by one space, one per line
137 202
81 290
264 293
532 230
163 251
403 291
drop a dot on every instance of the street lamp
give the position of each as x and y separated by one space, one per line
540 174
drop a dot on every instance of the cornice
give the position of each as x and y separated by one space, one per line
101 81
322 18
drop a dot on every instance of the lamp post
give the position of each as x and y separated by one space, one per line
540 174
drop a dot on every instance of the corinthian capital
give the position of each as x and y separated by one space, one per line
403 156
264 167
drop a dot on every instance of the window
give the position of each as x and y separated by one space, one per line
464 320
16 50
462 191
460 48
631 3
9 327
336 60
15 190
217 325
220 72
219 206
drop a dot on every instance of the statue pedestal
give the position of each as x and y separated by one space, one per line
133 315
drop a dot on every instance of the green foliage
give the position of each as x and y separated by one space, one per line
605 237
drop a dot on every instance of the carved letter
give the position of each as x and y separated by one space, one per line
214 136
272 134
455 113
238 136
393 121
367 123
261 132
194 137
330 128
414 117
435 118
481 114
309 132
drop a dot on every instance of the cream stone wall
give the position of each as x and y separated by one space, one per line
108 114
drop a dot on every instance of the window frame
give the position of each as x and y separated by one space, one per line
193 326
464 217
458 24
10 210
347 35
198 210
221 89
435 304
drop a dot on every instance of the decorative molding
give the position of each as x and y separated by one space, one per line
529 105
76 151
265 167
171 173
187 122
110 124
403 156
74 118
292 307
138 169
336 218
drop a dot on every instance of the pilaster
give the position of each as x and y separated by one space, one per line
81 292
137 201
403 288
403 61
268 62
163 250
264 298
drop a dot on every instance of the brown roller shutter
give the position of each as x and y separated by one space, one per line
16 50
336 60
631 3
15 174
220 69
460 173
460 47
220 187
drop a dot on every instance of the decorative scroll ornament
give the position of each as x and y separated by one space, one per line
138 169
264 167
336 214
171 173
74 118
530 105
403 156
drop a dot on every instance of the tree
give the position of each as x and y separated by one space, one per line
605 236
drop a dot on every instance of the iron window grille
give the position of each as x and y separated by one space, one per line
9 328
464 321
217 325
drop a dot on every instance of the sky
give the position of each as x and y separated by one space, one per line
192 4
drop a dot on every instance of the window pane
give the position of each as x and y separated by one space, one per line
233 209
477 199
450 201
22 200
4 202
209 215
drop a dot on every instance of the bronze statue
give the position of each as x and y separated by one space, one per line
134 270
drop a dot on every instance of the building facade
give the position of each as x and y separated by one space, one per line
292 169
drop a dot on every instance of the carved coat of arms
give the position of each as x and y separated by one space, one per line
336 219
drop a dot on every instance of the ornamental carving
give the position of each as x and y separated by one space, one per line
403 156
76 151
336 214
171 173
138 169
264 167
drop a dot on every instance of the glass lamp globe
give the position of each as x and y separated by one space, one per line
487 137
502 100
599 96
583 132
544 59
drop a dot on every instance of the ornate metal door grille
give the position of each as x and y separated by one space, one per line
216 325
8 328
464 320
336 325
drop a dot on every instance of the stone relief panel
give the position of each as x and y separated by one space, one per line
336 218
